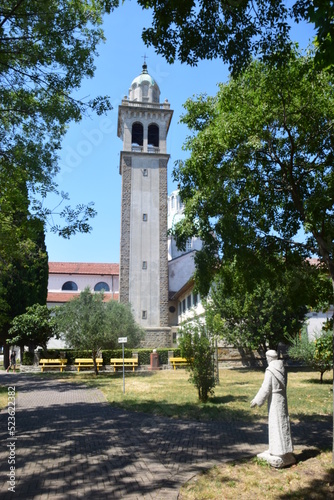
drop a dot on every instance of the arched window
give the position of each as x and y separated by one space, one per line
153 135
70 286
101 286
137 133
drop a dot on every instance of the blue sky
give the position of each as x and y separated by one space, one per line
89 159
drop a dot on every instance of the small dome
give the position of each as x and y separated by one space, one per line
144 88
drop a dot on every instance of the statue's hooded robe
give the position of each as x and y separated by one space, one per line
273 389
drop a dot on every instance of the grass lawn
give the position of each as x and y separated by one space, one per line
311 478
168 393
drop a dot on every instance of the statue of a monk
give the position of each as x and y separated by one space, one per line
273 389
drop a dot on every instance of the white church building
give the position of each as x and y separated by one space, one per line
153 275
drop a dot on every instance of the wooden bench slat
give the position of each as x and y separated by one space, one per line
52 363
117 362
178 361
88 363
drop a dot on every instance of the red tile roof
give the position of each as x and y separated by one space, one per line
83 268
62 297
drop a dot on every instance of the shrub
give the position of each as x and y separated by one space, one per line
317 353
197 348
28 358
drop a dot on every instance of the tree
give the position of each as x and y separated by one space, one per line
88 323
317 354
261 167
24 273
197 348
33 328
236 30
256 306
47 48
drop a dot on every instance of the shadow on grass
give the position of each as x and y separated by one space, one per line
307 454
321 487
310 418
210 411
318 381
229 398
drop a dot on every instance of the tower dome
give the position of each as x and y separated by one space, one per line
144 88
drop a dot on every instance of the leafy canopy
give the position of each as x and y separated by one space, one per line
33 328
236 30
89 323
47 48
261 167
258 303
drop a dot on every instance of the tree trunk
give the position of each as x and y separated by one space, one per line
5 356
333 375
21 352
95 364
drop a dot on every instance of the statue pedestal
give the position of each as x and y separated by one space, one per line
278 461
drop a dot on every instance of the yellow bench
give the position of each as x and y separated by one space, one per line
178 362
52 363
88 363
118 362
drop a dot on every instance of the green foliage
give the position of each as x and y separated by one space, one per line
23 265
257 305
115 353
143 355
260 167
235 30
69 354
121 323
28 358
317 353
197 348
323 353
90 324
48 48
301 348
33 328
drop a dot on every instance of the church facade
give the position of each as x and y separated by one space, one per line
153 275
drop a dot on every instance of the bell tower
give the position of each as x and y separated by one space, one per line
143 124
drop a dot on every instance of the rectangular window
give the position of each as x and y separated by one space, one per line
188 245
144 314
180 308
189 302
195 299
144 217
184 305
144 264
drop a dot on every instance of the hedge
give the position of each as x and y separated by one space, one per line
71 354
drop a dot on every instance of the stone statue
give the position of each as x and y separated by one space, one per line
273 389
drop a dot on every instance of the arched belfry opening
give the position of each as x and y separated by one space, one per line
153 135
137 138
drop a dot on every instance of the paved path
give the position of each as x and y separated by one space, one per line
72 444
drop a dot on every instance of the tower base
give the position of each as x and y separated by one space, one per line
157 337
